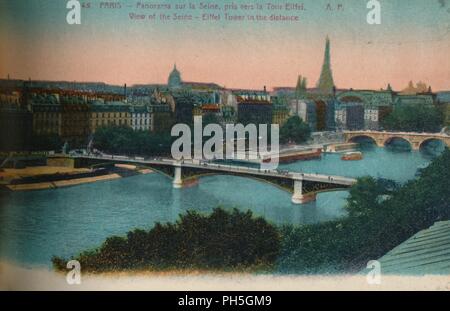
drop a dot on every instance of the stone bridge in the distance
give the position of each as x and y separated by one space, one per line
304 187
416 140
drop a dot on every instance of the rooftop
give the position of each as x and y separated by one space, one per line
427 252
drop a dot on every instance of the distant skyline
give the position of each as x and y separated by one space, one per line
412 43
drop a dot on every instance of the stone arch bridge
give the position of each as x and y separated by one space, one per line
416 140
303 187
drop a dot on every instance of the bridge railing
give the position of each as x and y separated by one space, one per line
230 168
440 134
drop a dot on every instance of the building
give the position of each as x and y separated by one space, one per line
228 99
371 119
174 81
321 115
330 114
280 111
109 114
350 115
15 127
341 118
379 104
211 109
369 98
161 118
374 116
140 118
228 114
259 95
417 99
185 103
47 118
75 121
355 117
162 111
305 109
12 97
254 111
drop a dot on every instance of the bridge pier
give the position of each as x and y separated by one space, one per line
177 179
298 197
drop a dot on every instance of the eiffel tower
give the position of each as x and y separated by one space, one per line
326 83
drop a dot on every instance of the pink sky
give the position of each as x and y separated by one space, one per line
412 43
237 65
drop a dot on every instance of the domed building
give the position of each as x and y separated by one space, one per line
174 78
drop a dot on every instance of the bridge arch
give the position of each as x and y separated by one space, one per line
427 141
389 141
161 171
285 187
362 137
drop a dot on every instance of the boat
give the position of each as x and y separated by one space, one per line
352 156
296 155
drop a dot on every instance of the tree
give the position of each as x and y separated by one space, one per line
295 130
300 89
414 118
124 140
367 195
220 240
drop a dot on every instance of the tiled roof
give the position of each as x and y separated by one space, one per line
210 107
210 85
427 252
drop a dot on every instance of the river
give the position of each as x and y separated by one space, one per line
36 225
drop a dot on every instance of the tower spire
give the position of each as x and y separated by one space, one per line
326 83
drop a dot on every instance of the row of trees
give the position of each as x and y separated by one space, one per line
414 118
221 240
124 140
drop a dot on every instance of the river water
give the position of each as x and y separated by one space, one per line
36 225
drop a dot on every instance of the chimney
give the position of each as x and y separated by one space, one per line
125 91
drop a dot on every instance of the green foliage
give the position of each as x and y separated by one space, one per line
294 130
123 140
222 240
367 195
414 118
373 227
301 88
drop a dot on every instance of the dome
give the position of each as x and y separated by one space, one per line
174 78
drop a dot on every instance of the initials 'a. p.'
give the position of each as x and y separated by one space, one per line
74 15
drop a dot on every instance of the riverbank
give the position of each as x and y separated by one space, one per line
52 177
14 277
61 183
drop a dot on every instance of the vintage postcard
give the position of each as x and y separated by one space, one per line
225 145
